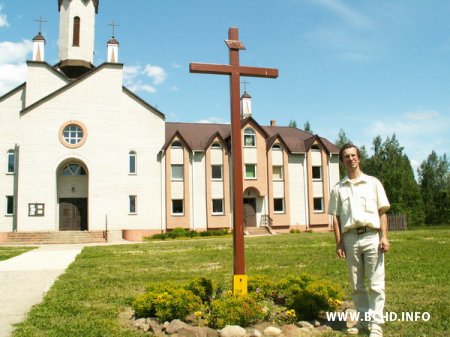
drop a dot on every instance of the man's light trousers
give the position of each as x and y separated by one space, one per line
365 260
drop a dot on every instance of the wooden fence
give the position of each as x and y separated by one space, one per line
397 222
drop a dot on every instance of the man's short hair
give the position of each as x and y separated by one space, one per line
348 146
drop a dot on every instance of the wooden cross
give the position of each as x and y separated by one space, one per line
40 23
114 25
234 70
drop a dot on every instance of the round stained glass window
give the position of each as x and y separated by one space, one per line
72 134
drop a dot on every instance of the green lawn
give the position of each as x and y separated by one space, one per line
8 252
88 298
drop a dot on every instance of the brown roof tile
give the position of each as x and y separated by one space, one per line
198 136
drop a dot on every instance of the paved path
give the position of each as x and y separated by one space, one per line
25 279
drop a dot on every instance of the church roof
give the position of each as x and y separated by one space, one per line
197 136
96 3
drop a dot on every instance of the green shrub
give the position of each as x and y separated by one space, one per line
261 287
167 305
177 233
202 287
235 310
317 296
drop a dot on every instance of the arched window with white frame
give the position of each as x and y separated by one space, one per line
132 162
249 137
11 164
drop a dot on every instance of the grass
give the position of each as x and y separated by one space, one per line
88 299
10 251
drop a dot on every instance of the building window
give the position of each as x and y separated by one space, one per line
74 170
72 134
11 161
277 172
317 173
216 172
250 171
177 172
249 137
76 31
176 145
132 204
318 205
278 205
9 205
132 162
217 205
177 207
216 146
276 147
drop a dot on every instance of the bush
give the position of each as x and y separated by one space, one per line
316 296
235 310
262 287
167 305
202 287
180 232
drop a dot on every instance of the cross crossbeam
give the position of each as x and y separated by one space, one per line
234 70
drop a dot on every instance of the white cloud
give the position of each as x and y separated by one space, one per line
157 73
347 14
214 120
11 75
15 52
419 132
141 87
12 64
3 19
134 77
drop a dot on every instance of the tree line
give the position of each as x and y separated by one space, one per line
425 200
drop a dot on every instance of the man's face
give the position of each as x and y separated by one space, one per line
350 158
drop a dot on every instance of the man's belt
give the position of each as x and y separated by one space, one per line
361 230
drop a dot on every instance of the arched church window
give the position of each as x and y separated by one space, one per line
74 170
249 137
76 31
11 161
132 162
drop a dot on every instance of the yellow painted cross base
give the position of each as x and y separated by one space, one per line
240 284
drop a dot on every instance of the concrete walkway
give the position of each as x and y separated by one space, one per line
25 279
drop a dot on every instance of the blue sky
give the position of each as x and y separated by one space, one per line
367 67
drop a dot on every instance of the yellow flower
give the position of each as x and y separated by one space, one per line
198 314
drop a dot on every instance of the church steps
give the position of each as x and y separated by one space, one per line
64 237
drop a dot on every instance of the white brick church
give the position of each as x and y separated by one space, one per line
79 152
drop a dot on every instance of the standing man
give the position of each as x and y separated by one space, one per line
359 204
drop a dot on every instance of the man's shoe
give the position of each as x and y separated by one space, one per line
375 330
359 327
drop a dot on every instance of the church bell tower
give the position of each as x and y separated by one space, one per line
76 35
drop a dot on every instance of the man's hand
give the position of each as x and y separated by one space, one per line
340 250
384 244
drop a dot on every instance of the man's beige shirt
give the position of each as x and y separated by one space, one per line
357 202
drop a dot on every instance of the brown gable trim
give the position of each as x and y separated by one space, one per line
256 125
144 103
271 140
221 140
178 135
310 142
68 86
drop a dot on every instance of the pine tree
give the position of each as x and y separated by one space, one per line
434 181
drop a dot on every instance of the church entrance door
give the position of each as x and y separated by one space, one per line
73 214
250 212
